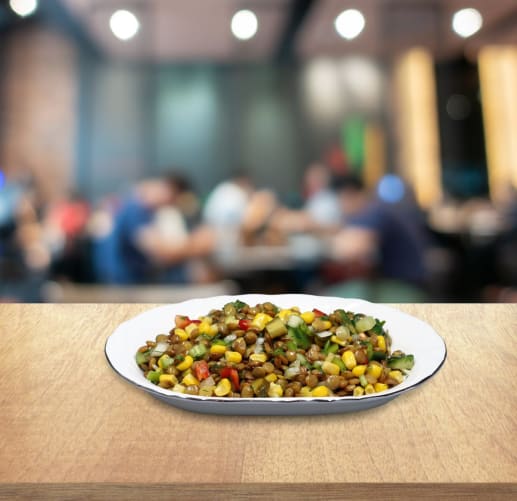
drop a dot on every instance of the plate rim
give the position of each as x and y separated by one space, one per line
276 400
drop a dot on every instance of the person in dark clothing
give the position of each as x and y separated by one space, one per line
388 239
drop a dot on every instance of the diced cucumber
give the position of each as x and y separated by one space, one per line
402 363
364 324
276 328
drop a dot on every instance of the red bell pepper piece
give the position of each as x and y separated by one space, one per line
182 321
201 370
318 313
244 324
232 375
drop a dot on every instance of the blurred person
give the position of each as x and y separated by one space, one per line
385 241
66 232
256 227
146 248
321 202
24 256
227 202
320 211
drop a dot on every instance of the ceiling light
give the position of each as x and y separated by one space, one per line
466 22
23 7
349 23
244 24
124 24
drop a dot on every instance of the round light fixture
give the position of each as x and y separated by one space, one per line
349 23
244 24
124 24
23 7
466 22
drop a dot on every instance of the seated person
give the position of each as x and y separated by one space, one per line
382 239
138 250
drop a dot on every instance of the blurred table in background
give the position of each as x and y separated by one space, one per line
81 293
272 268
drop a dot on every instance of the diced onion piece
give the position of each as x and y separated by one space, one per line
160 349
259 345
229 338
291 372
324 334
294 321
342 332
209 381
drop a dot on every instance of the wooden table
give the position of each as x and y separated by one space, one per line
71 428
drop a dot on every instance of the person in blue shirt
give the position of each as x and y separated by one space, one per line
387 240
135 252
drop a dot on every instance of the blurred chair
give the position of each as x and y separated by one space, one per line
55 292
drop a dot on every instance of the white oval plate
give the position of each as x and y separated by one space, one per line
408 334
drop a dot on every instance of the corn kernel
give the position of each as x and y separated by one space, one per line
284 314
258 357
381 343
181 333
374 370
179 388
204 327
380 387
349 359
308 317
223 387
208 329
330 368
341 342
189 379
275 390
358 391
396 375
326 324
271 377
369 389
306 391
233 356
260 320
320 391
169 379
218 349
186 364
359 370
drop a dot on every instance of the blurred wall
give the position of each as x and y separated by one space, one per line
117 134
208 120
77 118
215 120
38 97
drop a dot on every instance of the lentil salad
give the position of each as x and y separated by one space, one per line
265 351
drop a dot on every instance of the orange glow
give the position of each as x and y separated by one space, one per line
416 114
498 79
375 155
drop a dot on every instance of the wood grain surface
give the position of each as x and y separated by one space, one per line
70 427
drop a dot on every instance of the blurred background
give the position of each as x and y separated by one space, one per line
159 150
